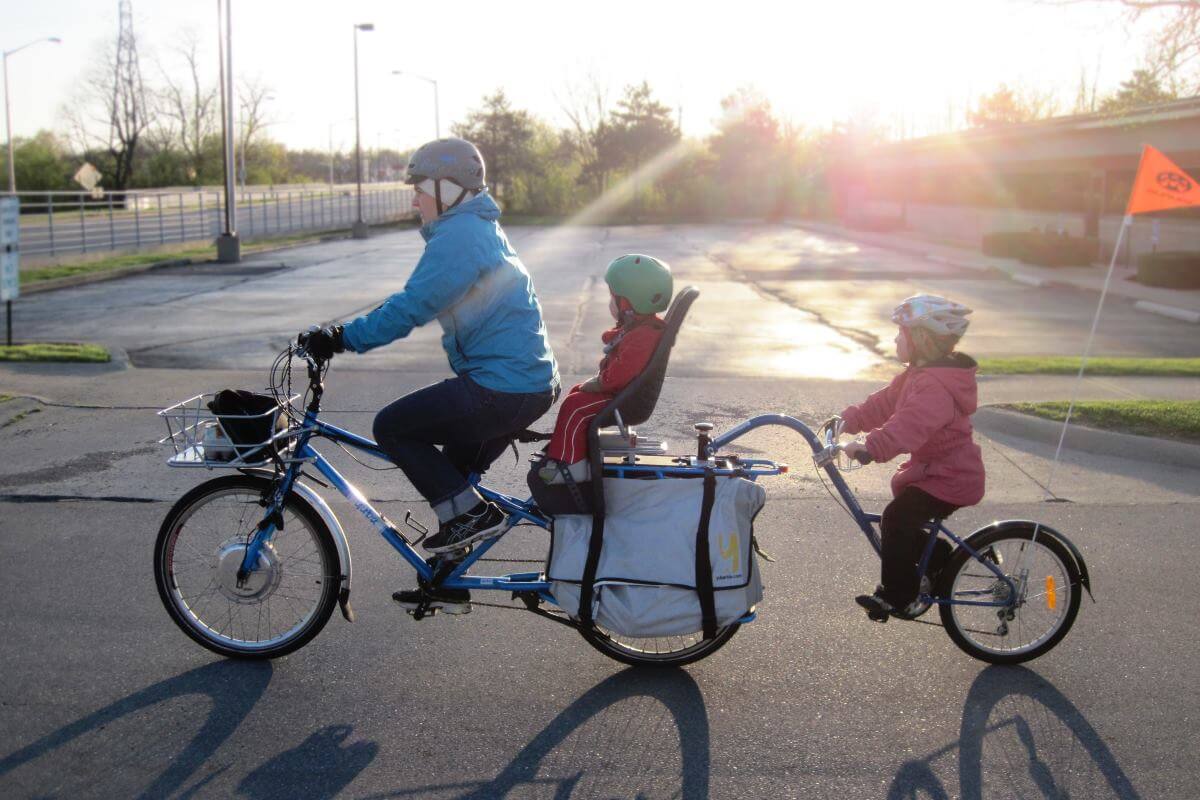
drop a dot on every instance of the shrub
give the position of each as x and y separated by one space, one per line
1043 249
1176 269
875 223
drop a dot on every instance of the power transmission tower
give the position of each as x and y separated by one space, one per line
128 106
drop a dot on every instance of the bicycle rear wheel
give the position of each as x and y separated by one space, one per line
1048 585
281 606
659 651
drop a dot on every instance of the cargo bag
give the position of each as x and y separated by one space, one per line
676 556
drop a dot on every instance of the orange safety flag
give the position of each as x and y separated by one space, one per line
1160 184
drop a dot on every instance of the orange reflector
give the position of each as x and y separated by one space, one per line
783 468
1051 595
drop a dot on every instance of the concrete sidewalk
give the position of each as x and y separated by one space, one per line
1181 304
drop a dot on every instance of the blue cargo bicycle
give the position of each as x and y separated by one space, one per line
252 564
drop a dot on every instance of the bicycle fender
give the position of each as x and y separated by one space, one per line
309 495
1043 529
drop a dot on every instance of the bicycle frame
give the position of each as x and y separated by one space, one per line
454 574
866 521
456 578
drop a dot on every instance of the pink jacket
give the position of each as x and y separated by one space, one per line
926 411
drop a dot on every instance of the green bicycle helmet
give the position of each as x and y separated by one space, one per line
644 281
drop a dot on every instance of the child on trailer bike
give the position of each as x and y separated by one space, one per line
925 411
471 280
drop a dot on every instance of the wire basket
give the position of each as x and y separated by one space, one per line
199 440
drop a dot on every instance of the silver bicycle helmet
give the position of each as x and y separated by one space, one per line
934 314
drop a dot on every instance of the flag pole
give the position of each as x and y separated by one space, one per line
1087 351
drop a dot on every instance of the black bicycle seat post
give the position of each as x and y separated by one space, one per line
702 439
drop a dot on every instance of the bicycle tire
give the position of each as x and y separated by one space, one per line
1056 560
219 561
624 650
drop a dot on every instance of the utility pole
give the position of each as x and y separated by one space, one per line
229 246
359 230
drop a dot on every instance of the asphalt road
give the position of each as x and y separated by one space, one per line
104 697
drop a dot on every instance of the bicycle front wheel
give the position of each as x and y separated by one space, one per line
283 603
1047 583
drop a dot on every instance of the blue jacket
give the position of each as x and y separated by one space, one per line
472 281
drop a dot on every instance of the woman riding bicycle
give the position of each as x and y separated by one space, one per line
471 280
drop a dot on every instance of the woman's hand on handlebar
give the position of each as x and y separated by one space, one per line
321 343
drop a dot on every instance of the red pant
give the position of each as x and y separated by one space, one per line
578 409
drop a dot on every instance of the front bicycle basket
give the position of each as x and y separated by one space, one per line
229 428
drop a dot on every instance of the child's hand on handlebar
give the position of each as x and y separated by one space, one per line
858 451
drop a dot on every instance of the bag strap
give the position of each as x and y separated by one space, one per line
572 488
704 576
595 544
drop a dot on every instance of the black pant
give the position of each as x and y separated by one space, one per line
903 533
472 423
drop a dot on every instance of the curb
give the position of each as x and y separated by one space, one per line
1013 271
1181 314
124 272
990 420
97 277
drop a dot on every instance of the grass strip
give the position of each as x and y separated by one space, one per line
55 351
1069 365
1166 419
195 252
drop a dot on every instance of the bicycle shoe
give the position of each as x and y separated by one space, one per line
452 601
482 521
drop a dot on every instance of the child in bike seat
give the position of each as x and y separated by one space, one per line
926 412
640 286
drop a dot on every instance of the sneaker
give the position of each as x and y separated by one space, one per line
452 601
548 471
877 608
484 520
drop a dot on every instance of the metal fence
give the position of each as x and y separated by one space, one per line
64 223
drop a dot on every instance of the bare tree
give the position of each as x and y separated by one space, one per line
1173 52
585 104
253 95
187 109
111 112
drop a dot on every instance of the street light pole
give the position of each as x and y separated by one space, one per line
437 110
359 231
229 246
12 170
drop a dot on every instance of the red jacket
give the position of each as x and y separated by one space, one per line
629 350
926 411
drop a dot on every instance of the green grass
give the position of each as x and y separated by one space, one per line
194 252
51 351
1168 419
1069 365
4 398
32 275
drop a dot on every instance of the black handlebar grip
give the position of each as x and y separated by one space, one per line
863 457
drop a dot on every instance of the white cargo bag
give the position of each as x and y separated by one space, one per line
646 582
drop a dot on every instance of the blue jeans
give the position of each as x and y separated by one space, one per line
473 425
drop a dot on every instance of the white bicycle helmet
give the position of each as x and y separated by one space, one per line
935 314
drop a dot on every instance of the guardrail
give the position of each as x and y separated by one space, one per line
63 223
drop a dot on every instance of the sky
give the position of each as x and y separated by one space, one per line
899 62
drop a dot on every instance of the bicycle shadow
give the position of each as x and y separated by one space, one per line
614 741
1020 737
320 767
131 735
